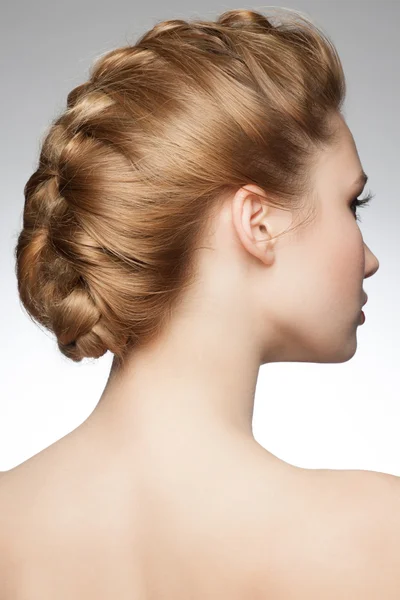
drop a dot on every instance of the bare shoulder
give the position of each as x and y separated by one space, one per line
5 520
34 495
345 540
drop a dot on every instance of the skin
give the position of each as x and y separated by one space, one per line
168 454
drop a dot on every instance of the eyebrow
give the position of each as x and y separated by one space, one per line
361 180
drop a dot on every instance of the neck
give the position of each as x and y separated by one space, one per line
196 382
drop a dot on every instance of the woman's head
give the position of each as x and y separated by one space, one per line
311 300
135 174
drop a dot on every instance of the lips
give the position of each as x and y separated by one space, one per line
366 300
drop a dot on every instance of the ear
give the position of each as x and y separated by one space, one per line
256 222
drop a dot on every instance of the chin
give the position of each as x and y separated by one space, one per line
337 346
347 351
334 351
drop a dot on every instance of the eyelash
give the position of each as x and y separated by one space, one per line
358 202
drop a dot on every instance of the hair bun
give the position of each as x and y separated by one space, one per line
244 19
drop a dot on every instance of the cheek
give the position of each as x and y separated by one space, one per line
350 252
319 276
344 265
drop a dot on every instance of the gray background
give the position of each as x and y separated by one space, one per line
339 416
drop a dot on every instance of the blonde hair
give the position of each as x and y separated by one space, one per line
129 176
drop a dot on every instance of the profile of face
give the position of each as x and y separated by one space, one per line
309 286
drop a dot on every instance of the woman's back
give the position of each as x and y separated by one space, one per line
78 527
79 524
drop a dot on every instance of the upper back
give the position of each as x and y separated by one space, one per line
85 533
346 541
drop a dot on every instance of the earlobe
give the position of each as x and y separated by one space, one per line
269 252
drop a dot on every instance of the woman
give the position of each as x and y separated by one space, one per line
194 212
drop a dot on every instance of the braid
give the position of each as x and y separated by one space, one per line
50 260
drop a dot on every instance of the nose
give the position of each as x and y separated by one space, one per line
371 262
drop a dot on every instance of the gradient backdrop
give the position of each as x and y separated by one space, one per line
338 416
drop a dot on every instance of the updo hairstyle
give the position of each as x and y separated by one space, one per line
131 174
